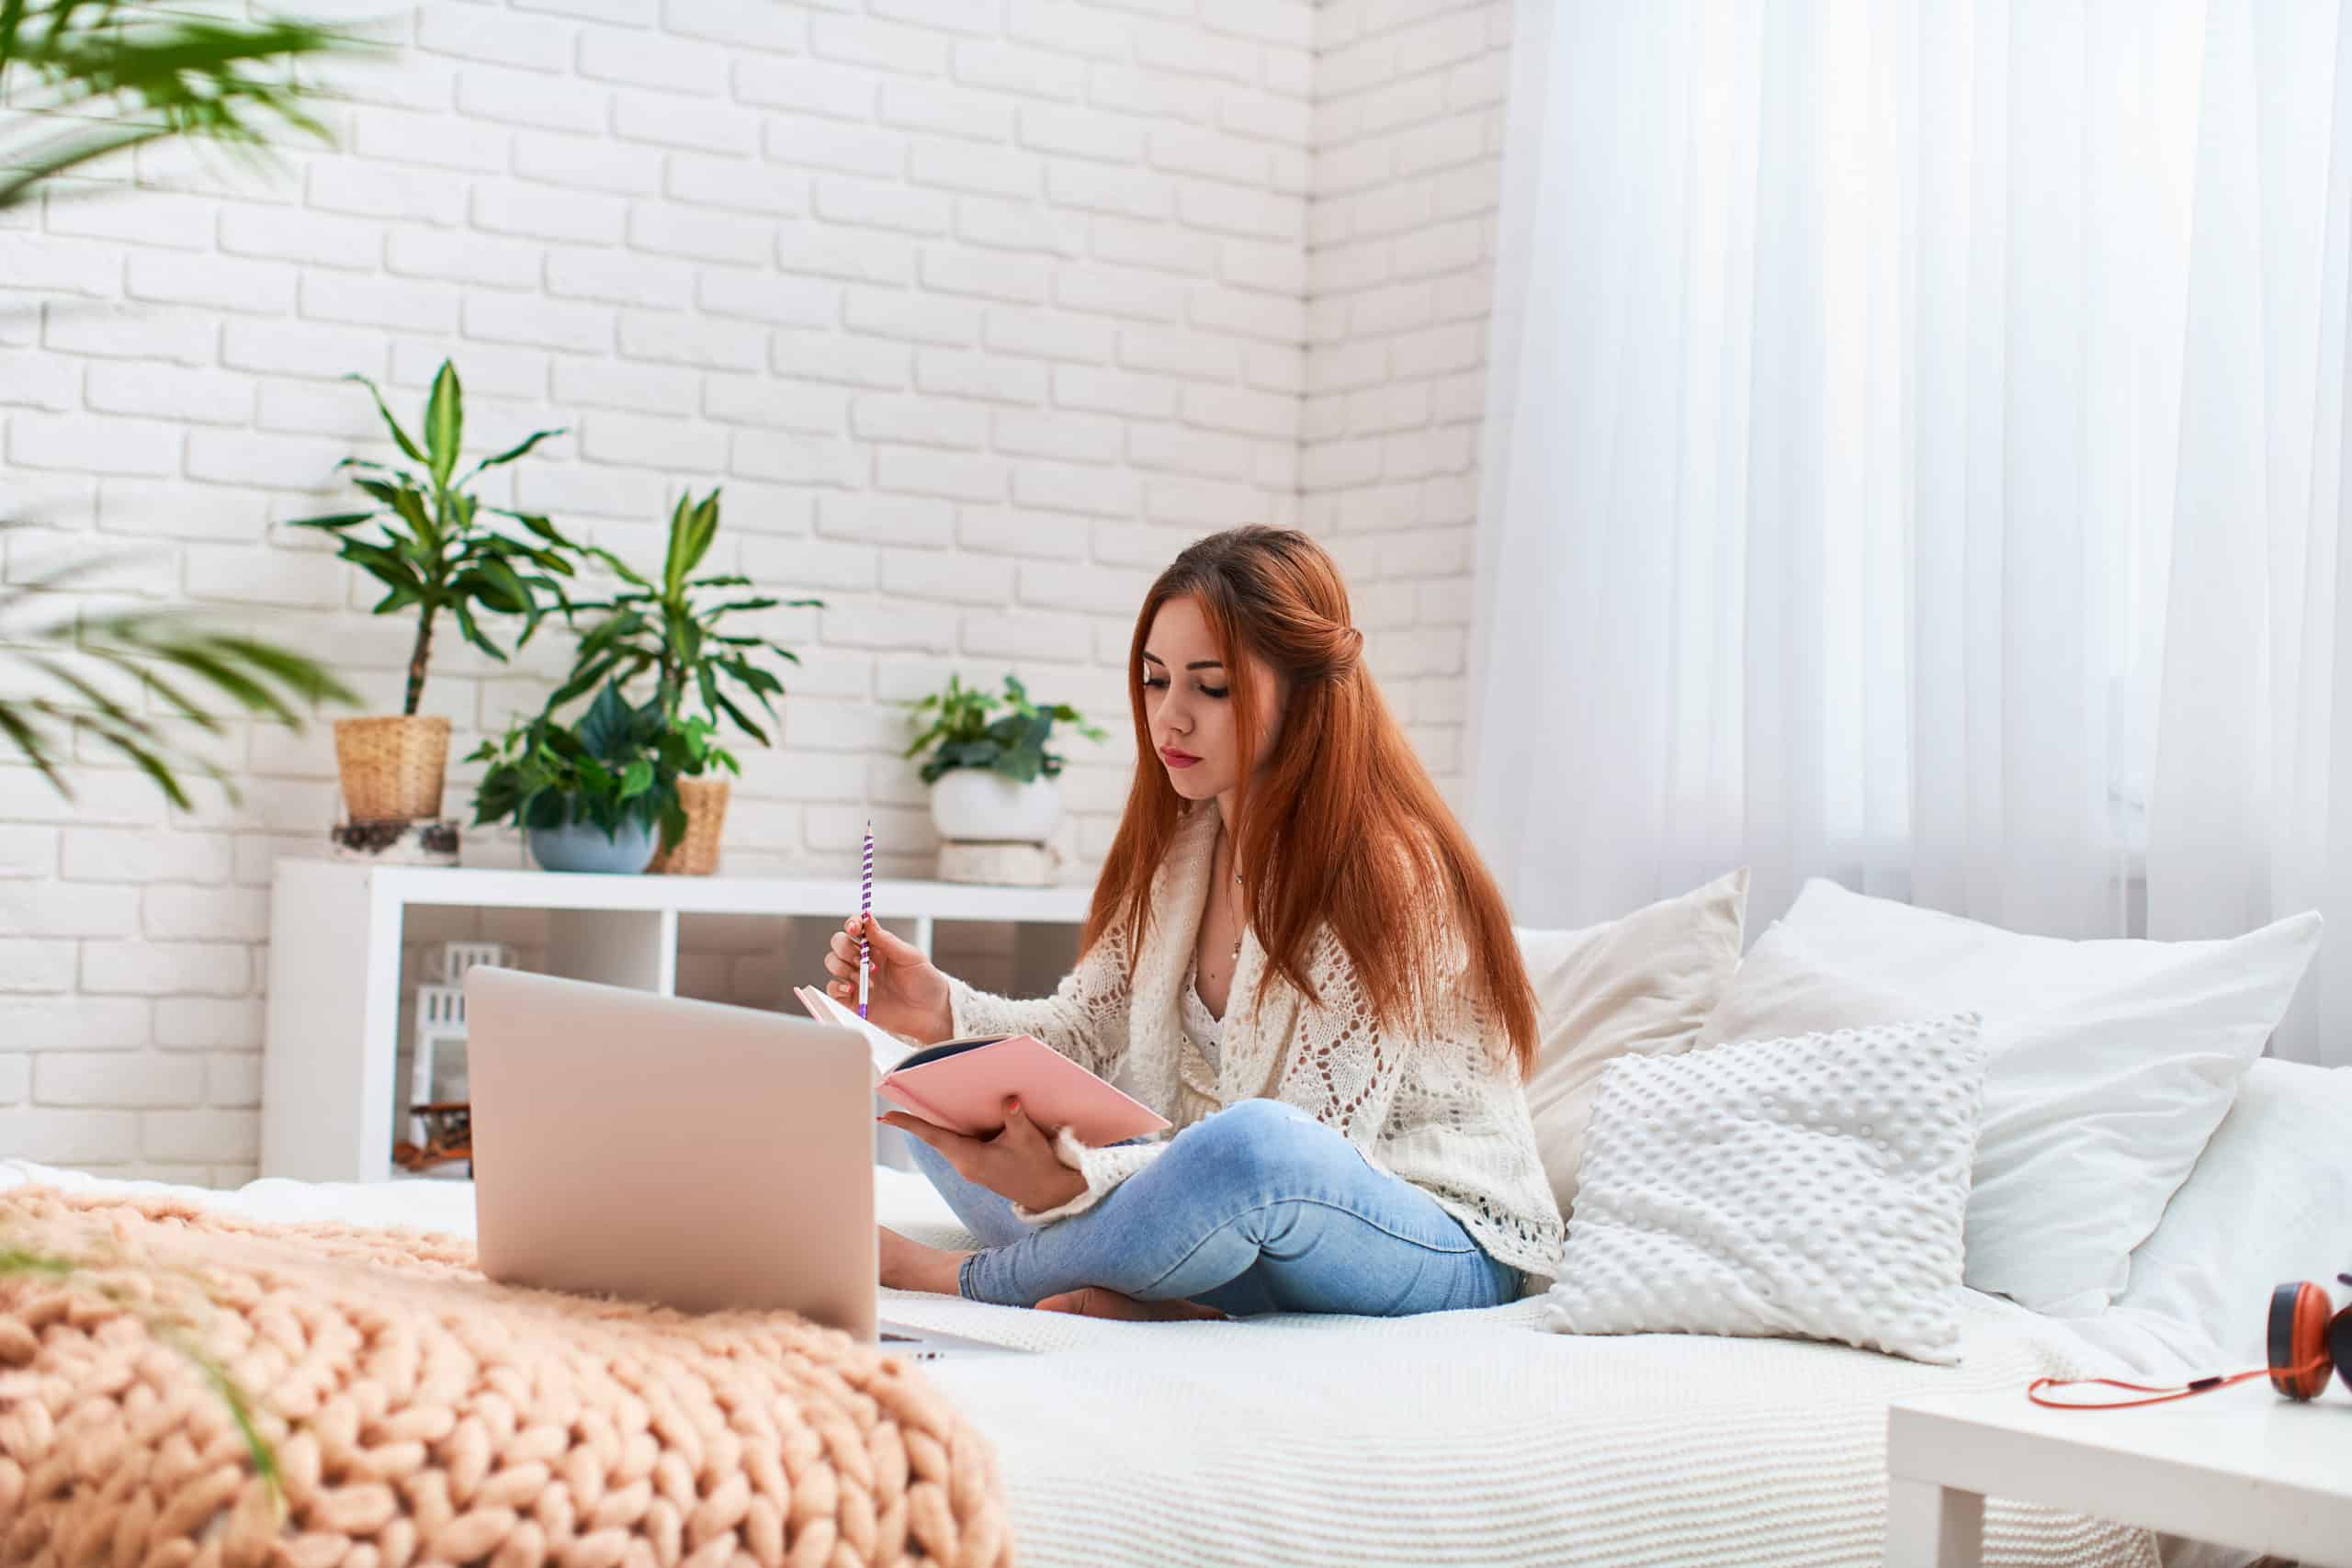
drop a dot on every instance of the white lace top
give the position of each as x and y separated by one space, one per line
1201 1026
1443 1110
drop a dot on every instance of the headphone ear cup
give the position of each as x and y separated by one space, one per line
2339 1345
2298 1334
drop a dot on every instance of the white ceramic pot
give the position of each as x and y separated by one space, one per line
980 805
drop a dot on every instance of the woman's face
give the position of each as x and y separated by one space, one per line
1188 702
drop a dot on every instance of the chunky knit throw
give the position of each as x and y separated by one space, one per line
422 1415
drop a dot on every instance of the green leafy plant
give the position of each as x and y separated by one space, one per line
618 765
88 80
440 550
106 670
698 750
962 734
665 627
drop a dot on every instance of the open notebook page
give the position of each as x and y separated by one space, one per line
888 1049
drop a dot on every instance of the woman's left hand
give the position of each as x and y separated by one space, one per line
1019 1163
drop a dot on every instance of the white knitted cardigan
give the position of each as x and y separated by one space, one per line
1443 1110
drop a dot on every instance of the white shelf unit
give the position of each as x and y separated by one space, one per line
335 970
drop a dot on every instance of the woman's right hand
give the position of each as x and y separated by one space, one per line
905 992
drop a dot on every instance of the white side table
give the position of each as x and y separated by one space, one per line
2240 1467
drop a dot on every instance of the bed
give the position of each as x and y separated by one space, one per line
1466 1437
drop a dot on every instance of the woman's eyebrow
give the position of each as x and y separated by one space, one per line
1196 664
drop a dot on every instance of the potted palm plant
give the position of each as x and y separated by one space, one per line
600 795
438 550
992 773
672 627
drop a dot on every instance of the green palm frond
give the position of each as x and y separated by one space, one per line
120 674
94 78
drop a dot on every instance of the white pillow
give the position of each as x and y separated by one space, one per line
2269 1203
1815 1186
2109 1063
1642 985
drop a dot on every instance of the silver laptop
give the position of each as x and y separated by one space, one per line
681 1151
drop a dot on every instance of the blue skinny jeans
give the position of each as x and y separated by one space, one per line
1259 1208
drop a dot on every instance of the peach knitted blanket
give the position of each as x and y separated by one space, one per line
422 1415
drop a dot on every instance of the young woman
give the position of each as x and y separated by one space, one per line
1298 957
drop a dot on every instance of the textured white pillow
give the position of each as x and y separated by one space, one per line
2109 1063
1645 983
2269 1201
1813 1186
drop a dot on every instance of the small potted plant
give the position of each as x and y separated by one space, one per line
436 550
990 772
672 628
598 795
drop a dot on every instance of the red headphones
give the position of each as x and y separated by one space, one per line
2307 1336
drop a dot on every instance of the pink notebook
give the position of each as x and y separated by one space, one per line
961 1085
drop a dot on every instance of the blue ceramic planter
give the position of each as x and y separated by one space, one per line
582 846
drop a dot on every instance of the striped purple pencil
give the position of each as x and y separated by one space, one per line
865 907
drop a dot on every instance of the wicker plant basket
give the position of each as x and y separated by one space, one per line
391 767
696 854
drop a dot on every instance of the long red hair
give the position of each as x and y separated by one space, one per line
1346 827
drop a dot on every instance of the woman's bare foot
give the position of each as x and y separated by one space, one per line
911 1266
1093 1301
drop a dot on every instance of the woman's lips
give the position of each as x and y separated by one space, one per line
1176 759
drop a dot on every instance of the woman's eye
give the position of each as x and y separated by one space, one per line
1155 682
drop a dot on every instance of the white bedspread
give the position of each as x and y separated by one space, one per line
1466 1437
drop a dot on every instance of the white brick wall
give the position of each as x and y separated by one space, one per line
968 304
1408 134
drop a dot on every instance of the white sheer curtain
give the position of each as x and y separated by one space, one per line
1912 457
